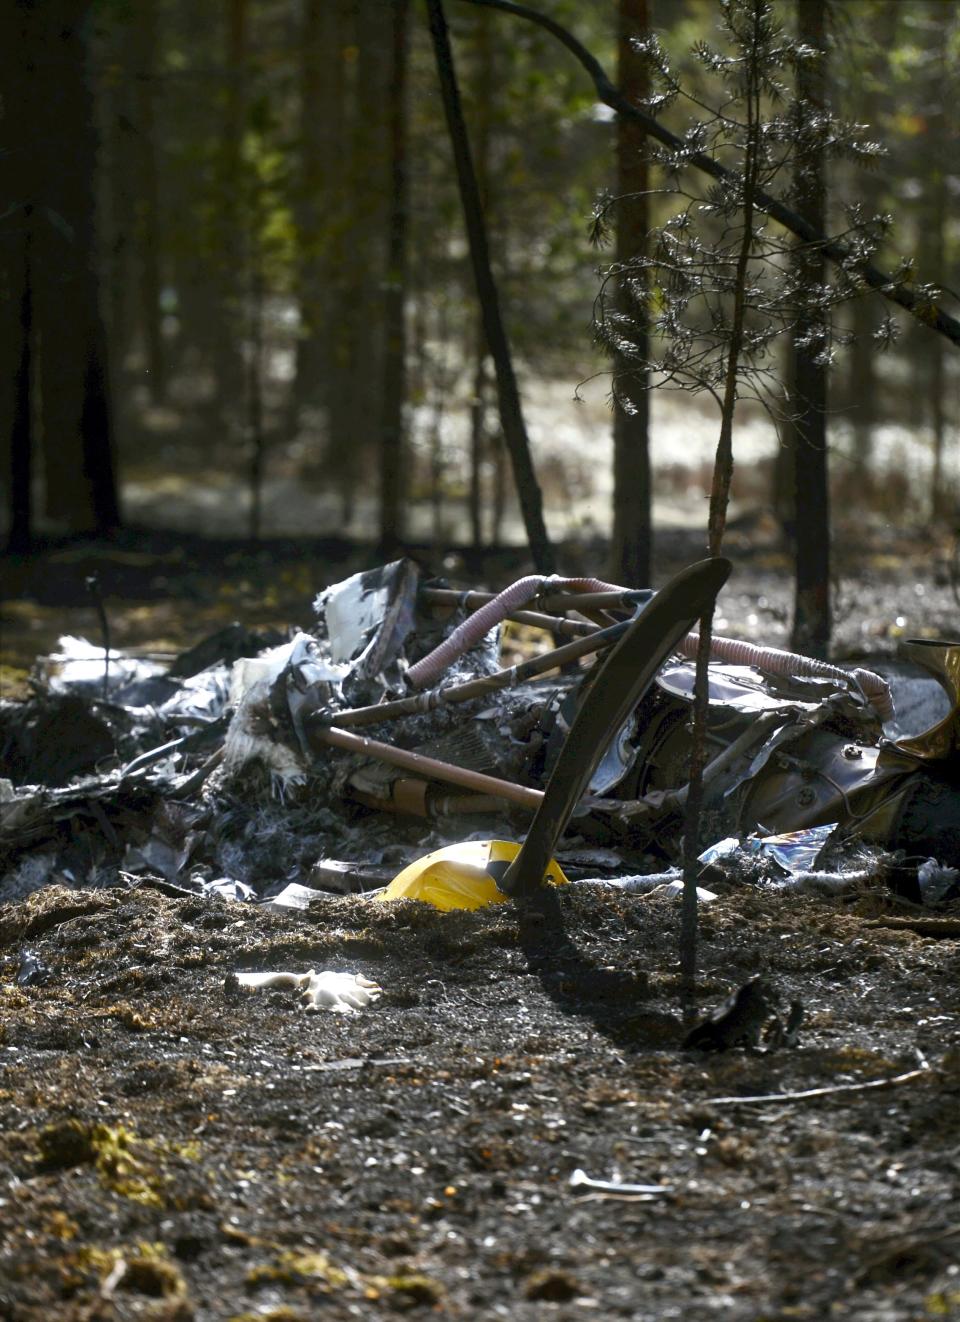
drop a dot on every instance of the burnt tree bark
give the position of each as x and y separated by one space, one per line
631 543
511 412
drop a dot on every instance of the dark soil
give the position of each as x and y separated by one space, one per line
175 1149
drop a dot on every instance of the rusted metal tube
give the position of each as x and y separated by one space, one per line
430 767
553 601
554 623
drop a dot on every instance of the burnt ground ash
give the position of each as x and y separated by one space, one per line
176 1149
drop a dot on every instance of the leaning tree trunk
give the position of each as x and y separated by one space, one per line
482 104
511 412
632 525
807 427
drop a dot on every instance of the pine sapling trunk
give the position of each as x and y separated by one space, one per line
719 501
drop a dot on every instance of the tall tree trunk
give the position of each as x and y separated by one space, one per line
807 427
319 200
17 58
144 20
478 415
511 412
232 218
61 135
18 313
861 383
118 220
937 210
358 259
940 503
392 434
256 437
632 525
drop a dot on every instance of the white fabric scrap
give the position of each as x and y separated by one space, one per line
343 993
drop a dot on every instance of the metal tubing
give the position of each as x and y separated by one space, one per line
476 688
429 767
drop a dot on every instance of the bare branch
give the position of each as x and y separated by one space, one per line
763 1099
917 302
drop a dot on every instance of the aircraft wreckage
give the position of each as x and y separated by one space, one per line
396 707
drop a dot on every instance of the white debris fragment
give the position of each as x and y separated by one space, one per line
937 882
294 896
825 883
79 665
252 735
343 993
670 890
581 1180
663 885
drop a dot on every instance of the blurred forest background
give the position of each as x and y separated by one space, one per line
236 275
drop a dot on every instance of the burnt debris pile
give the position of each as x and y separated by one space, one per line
412 714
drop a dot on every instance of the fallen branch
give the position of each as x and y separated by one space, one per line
874 1084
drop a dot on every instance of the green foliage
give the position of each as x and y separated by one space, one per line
238 208
683 293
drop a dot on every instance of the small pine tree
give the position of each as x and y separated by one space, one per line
706 304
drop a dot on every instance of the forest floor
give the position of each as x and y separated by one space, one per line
174 1147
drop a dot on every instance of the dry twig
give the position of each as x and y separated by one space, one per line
762 1098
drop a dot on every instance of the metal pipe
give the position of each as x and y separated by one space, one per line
430 767
476 688
466 635
554 623
624 597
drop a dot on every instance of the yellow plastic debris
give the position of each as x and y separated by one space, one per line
460 876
